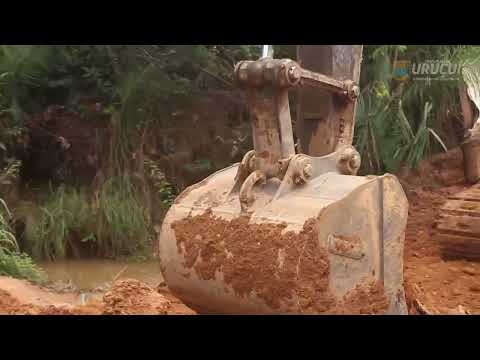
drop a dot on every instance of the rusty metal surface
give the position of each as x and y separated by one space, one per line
325 121
346 88
266 132
282 73
285 123
267 82
286 73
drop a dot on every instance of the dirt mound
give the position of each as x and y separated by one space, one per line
444 169
368 299
127 297
131 297
11 306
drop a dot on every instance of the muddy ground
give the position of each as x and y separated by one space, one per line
433 285
127 297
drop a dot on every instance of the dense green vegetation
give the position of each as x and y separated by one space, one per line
111 223
133 84
398 123
12 262
401 123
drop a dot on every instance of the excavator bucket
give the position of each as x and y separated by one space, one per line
286 232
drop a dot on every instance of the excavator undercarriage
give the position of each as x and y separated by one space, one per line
457 226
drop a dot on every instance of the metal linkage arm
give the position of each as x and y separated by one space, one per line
347 87
287 73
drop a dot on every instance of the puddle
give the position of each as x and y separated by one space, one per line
88 275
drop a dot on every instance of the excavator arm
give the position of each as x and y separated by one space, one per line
324 121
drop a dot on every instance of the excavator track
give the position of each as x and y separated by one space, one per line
458 222
457 226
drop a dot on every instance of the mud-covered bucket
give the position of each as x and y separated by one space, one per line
331 246
471 154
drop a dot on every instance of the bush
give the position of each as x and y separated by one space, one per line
13 263
65 218
161 188
21 266
122 227
72 224
403 122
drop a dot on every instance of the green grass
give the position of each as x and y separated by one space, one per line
65 216
12 262
7 238
122 227
110 224
21 266
160 187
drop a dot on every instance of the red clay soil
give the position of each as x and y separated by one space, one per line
434 285
127 297
131 297
285 270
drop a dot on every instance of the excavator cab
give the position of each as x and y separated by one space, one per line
291 229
